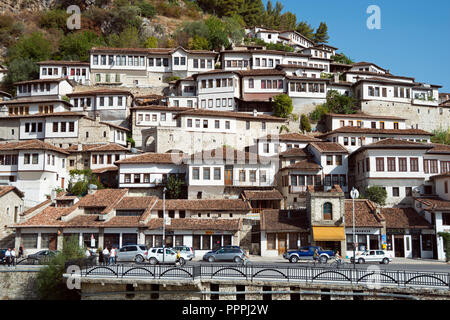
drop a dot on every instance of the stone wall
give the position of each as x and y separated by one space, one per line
18 285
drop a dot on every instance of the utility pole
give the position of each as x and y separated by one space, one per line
164 224
354 194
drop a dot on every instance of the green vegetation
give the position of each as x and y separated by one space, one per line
376 194
336 103
441 136
342 58
81 186
269 46
282 106
50 282
76 46
305 125
174 187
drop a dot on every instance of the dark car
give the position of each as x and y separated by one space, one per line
2 255
42 256
226 254
307 253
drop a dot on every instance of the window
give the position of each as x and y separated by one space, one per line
242 176
381 124
29 241
217 173
427 242
395 191
227 124
402 165
35 158
262 176
206 174
195 173
252 175
329 160
327 211
414 164
353 141
345 141
391 164
396 125
251 83
338 160
379 164
446 218
271 241
408 191
433 166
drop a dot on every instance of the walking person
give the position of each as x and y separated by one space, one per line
112 256
116 252
8 256
21 251
13 257
106 256
316 256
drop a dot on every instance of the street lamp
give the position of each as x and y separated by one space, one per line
164 223
354 194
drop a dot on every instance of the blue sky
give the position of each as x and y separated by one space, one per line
414 39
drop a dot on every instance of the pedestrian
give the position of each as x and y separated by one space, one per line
88 253
8 256
13 257
316 255
116 252
112 256
21 251
106 256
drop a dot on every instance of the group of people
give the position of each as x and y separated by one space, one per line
10 256
109 256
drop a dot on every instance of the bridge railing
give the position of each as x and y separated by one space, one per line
287 273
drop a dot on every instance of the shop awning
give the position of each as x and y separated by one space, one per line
328 233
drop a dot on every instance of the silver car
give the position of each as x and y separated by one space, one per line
226 254
134 252
155 255
372 256
187 253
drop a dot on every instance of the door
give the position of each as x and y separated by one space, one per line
62 183
371 256
281 243
399 245
408 251
171 256
228 176
220 255
416 246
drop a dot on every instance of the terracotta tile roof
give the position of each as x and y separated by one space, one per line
266 96
6 189
197 224
97 147
151 157
308 78
50 216
382 80
297 137
404 218
204 204
114 126
273 194
136 202
63 63
439 148
105 169
226 154
41 80
297 66
294 152
27 100
105 198
394 144
230 114
161 108
30 145
306 165
98 92
434 204
328 147
365 214
278 220
379 131
36 207
261 72
333 189
365 63
442 175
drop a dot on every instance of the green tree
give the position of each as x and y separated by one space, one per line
151 42
20 70
147 9
50 282
319 112
342 58
304 123
56 19
76 46
321 35
83 179
282 106
305 29
234 27
198 43
339 103
376 194
174 187
34 46
252 12
441 136
288 21
128 38
217 33
230 7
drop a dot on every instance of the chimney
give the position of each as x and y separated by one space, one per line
255 112
92 189
79 147
336 78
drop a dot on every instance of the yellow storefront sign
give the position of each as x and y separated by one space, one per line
328 233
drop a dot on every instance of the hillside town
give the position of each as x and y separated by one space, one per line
189 139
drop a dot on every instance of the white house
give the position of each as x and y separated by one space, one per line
77 71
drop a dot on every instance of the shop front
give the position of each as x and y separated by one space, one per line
411 243
329 238
366 239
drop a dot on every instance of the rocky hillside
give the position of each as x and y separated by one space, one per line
16 6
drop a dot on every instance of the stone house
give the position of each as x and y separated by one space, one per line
11 206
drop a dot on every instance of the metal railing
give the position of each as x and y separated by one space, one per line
398 278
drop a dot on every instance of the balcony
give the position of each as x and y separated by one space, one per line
297 189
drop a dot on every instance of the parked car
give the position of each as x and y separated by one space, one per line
372 256
307 253
132 252
155 256
42 256
187 253
235 254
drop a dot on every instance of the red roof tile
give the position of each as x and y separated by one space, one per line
30 145
262 194
404 218
324 147
365 214
204 204
197 224
151 157
284 220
